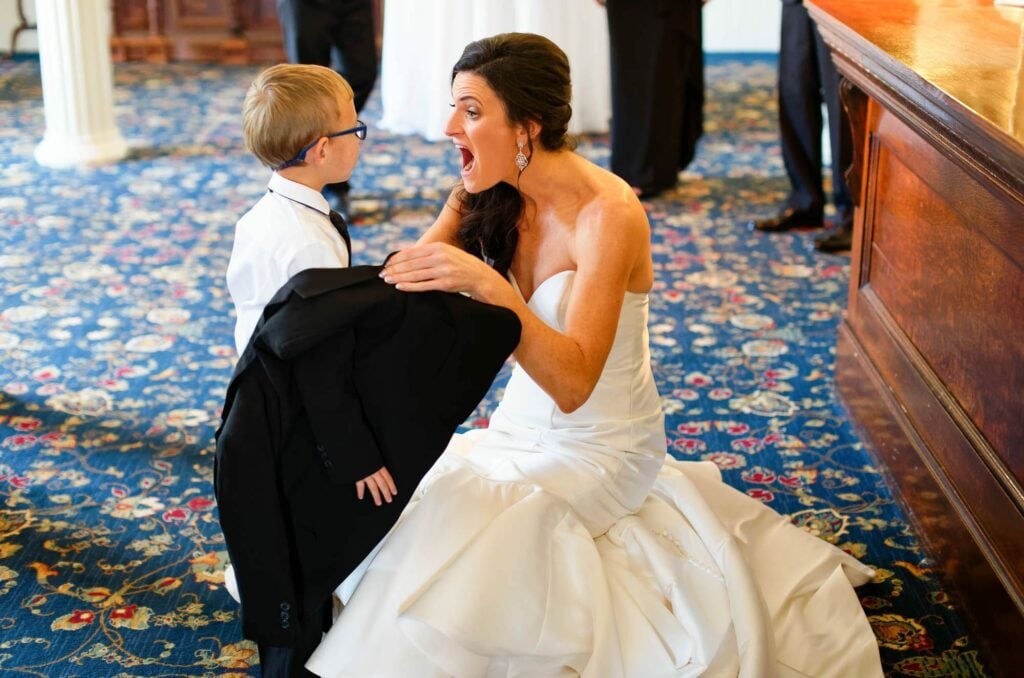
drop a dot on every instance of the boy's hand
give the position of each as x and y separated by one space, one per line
380 484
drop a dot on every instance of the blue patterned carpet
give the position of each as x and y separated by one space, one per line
115 348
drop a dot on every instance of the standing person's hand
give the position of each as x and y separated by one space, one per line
380 484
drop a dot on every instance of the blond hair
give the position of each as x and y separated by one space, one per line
288 106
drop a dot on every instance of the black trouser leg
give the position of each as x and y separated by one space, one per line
800 101
312 29
657 89
305 28
636 46
840 135
353 36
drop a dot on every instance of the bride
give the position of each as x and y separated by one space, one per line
561 540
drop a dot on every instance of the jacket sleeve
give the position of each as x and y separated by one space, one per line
345 445
251 506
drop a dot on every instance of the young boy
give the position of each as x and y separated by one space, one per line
300 121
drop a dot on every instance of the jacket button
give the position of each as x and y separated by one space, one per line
285 607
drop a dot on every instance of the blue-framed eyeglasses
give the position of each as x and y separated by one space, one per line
359 130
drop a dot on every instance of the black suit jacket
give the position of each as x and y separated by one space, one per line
344 374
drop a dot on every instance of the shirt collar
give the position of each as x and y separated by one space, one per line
299 193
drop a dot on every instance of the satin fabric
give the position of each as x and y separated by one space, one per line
555 544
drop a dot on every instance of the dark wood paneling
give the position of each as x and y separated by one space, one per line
134 16
975 587
946 283
991 513
936 306
260 15
225 31
201 15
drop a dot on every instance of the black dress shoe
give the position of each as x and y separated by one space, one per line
838 239
786 220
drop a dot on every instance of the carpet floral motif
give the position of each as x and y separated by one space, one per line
116 347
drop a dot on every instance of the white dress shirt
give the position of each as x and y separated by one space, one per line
289 230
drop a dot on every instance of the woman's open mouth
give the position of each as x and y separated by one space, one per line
467 159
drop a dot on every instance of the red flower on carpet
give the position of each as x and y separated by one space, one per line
72 622
82 617
690 445
166 585
19 441
200 504
176 515
698 379
737 429
759 474
25 423
126 612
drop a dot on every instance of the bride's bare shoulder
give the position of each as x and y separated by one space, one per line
612 204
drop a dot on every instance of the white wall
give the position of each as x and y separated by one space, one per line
742 25
9 19
729 25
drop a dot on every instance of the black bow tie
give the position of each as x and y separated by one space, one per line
342 228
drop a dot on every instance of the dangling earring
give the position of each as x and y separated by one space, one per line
521 160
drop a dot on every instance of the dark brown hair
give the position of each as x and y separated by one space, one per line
530 75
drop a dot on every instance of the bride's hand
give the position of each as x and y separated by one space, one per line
437 266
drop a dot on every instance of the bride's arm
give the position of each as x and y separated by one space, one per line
610 244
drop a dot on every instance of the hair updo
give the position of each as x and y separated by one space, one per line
530 75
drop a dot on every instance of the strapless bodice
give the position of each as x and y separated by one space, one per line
623 412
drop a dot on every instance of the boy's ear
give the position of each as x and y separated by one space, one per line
317 154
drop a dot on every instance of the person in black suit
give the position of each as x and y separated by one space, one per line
344 375
657 64
313 30
808 78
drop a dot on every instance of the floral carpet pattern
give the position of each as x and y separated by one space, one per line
116 347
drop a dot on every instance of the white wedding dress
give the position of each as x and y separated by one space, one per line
555 544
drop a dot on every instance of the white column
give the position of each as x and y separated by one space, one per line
78 89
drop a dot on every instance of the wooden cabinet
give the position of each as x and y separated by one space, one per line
223 31
930 356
